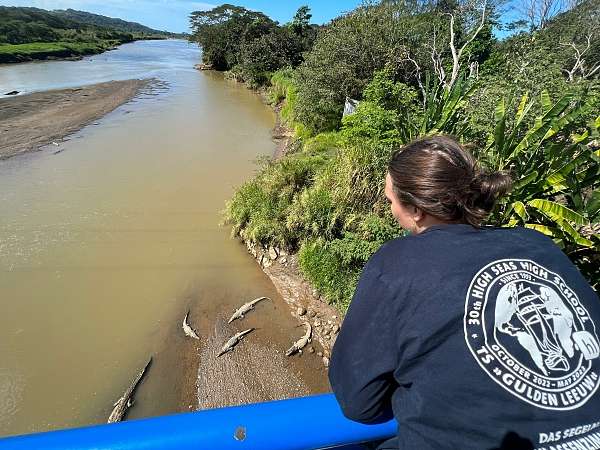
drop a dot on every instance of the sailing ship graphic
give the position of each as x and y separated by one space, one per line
543 323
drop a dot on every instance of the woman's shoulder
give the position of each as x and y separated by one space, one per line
413 248
520 232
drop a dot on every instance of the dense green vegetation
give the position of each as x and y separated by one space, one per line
249 44
116 24
44 50
528 104
32 33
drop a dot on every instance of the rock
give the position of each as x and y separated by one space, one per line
301 311
325 361
203 66
329 322
273 253
311 313
283 260
319 354
334 317
315 293
317 323
264 261
12 93
336 329
311 350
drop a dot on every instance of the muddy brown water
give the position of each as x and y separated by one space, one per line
105 245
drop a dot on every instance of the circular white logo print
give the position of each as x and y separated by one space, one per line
529 332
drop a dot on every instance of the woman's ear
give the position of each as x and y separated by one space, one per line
417 214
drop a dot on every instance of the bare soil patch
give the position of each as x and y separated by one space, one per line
29 122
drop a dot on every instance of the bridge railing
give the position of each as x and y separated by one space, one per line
314 422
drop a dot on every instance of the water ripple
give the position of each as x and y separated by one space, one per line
12 385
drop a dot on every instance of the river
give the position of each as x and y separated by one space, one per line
104 246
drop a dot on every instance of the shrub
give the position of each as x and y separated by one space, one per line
334 267
343 60
371 122
556 168
323 268
260 207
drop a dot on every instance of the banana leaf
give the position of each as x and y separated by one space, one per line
556 211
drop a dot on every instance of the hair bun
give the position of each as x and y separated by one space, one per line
488 186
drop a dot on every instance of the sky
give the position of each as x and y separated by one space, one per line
172 15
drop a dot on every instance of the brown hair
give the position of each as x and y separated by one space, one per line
437 175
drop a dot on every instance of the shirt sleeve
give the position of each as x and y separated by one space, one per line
365 356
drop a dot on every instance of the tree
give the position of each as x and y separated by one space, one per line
301 20
345 56
539 12
222 30
581 67
268 53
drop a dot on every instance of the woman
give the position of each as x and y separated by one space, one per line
471 337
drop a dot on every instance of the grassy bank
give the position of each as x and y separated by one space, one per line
44 50
324 200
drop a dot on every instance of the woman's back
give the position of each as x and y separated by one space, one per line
470 334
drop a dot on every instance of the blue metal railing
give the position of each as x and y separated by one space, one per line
297 424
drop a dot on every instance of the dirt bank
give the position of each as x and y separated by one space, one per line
304 302
29 122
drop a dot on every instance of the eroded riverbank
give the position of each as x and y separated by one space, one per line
31 121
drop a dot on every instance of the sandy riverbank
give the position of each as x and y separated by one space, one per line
29 122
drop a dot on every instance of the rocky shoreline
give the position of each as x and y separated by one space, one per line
305 302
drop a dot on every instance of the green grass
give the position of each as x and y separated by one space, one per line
42 50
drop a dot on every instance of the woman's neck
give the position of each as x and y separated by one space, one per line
429 221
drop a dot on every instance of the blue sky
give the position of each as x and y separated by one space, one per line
172 15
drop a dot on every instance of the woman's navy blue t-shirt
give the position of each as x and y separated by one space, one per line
470 335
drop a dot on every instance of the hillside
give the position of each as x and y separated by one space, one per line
108 22
32 33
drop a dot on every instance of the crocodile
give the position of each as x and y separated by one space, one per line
300 343
189 331
121 405
228 346
239 313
